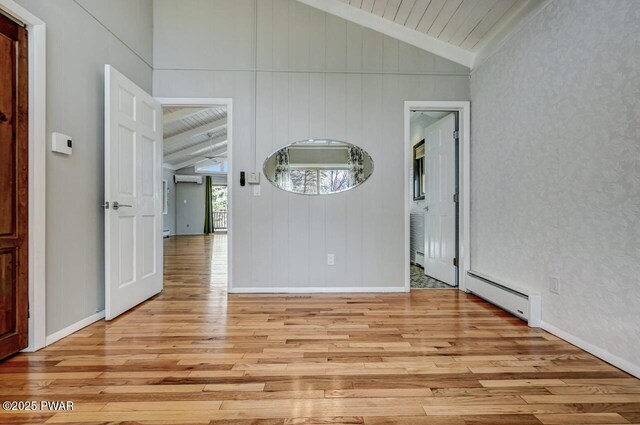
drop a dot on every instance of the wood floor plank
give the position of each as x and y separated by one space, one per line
195 354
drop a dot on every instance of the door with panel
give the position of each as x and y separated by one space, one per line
133 194
440 210
14 169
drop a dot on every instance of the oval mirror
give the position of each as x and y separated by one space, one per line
318 167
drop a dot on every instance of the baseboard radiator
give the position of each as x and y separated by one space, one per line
518 301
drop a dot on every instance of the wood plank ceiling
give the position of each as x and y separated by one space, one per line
194 136
461 23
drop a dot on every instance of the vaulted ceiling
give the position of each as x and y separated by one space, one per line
463 31
462 23
194 136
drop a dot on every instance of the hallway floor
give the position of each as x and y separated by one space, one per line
419 280
192 355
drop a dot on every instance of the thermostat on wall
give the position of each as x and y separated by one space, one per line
61 143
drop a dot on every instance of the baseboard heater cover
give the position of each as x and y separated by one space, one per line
517 301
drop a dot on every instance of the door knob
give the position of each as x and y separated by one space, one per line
117 205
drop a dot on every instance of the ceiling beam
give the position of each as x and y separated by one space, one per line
206 128
196 149
392 29
197 159
181 114
208 163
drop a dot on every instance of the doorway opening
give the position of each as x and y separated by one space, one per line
434 207
197 220
436 190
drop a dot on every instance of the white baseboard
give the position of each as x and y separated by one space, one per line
315 289
601 353
57 336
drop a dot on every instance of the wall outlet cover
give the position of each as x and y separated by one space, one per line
331 259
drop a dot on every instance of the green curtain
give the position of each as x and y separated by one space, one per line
208 208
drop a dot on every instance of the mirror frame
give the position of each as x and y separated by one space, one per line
264 163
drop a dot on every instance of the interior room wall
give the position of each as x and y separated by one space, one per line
296 73
190 202
190 208
169 219
555 166
79 44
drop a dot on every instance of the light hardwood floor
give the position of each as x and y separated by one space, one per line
192 355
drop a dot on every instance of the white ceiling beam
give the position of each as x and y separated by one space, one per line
197 159
392 29
206 164
180 114
206 128
196 149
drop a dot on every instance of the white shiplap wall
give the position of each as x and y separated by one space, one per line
313 75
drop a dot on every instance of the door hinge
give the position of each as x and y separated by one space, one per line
455 262
456 134
455 197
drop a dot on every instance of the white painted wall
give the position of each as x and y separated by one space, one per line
555 170
190 205
128 20
315 75
78 46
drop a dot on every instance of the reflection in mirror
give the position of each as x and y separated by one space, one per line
318 167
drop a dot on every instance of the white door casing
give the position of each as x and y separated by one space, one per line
440 214
133 180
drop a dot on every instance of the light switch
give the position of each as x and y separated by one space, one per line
61 143
256 191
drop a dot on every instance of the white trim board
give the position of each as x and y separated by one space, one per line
601 353
315 289
518 16
57 336
464 179
392 29
37 176
215 101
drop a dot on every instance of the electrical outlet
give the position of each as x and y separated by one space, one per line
331 260
554 285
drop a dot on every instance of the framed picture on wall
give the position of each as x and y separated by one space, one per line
419 179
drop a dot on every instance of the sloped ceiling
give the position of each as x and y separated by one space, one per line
194 136
463 31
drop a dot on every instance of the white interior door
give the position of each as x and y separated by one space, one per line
440 214
133 191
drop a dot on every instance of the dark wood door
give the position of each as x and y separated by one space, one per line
14 137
